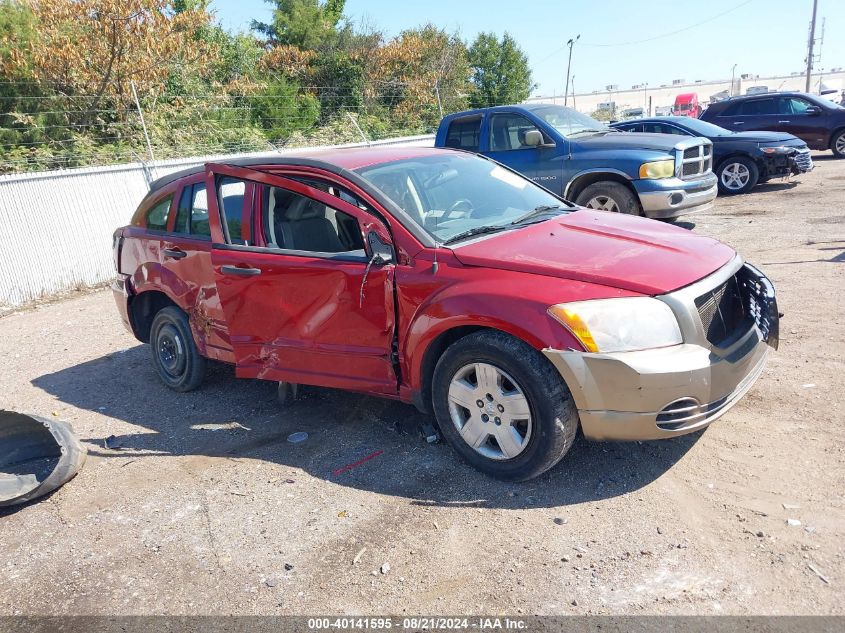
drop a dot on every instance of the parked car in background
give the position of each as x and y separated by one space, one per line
816 121
632 113
686 104
442 279
757 90
740 159
663 111
588 162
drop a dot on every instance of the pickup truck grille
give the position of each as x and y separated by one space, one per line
695 161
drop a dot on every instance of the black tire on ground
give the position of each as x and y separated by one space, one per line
739 163
837 144
175 355
554 417
609 196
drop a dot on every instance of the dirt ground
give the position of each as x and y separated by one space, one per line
182 520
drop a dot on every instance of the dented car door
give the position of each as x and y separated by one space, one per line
309 298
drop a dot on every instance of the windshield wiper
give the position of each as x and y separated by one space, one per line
478 230
543 209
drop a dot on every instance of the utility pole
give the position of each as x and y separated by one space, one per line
810 42
570 43
733 74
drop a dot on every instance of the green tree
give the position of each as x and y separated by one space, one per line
306 24
500 71
282 108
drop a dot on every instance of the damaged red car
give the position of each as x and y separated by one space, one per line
443 279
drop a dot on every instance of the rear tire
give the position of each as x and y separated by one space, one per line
531 419
737 175
609 196
837 144
175 356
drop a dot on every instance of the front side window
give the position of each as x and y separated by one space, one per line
156 217
464 134
662 128
292 221
793 105
507 132
450 194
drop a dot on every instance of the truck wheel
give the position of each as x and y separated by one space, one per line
175 356
502 406
609 196
837 144
737 175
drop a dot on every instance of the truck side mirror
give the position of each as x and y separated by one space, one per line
533 138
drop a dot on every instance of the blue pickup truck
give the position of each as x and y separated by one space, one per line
581 159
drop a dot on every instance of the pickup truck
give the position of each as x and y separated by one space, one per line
583 160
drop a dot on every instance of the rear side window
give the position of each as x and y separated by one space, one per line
192 214
662 128
464 134
755 107
231 196
156 217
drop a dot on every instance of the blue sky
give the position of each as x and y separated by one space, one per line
761 36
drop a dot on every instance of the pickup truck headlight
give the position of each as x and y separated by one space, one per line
658 169
624 324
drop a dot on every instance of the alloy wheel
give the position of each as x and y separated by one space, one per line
603 203
840 144
735 176
490 411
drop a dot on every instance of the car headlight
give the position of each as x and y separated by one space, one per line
782 149
624 324
658 169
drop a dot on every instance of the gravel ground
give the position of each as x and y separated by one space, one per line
183 520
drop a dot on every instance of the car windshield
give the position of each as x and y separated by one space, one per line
703 128
570 122
452 194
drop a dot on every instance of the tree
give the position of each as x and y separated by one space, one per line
306 24
282 109
500 71
90 50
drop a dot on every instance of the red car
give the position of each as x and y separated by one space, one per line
442 279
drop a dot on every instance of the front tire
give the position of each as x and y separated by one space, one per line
837 144
737 175
609 196
502 406
175 356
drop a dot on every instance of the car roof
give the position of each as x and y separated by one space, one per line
339 161
765 94
529 107
654 119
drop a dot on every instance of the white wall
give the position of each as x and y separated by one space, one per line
56 227
665 95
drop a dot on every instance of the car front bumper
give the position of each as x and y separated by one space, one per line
664 198
664 392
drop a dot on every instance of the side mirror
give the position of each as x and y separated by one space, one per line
533 138
382 251
813 110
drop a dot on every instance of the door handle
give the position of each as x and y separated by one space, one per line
784 121
240 272
174 253
738 122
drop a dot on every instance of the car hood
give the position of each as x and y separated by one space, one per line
756 137
630 140
621 251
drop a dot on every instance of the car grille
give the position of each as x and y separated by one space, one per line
696 160
721 311
803 161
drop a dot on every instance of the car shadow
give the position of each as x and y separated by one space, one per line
776 186
353 440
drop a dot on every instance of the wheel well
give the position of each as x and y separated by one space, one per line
761 164
833 136
432 355
582 182
143 309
